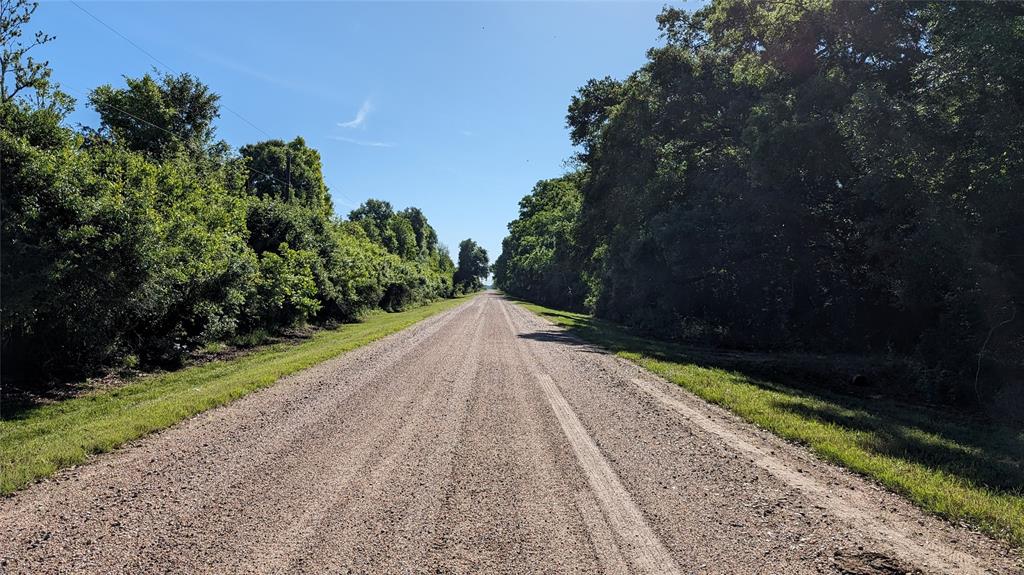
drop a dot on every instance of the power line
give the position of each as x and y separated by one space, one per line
173 71
159 61
182 140
187 143
123 37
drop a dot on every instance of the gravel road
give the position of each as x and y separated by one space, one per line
481 440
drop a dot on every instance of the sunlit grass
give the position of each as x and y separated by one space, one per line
37 442
960 468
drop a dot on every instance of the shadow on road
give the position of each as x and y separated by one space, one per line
978 452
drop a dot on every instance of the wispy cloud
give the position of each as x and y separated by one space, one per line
244 70
360 120
466 133
240 68
369 144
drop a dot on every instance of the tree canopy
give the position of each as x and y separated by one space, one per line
287 171
473 266
825 176
538 258
158 114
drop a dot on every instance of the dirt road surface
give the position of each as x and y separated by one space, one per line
482 440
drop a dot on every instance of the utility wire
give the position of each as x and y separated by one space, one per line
173 71
187 143
123 37
183 141
159 61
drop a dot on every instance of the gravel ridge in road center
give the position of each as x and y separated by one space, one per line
481 440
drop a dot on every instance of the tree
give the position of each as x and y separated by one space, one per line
285 292
18 71
538 257
159 114
374 215
290 172
137 243
472 266
404 243
590 109
829 176
396 232
426 237
422 271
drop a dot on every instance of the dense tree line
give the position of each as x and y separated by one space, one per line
825 176
539 258
145 238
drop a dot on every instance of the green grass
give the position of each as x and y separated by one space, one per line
961 468
36 442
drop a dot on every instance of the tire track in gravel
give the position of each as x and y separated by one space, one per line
811 504
196 488
315 459
625 520
388 484
383 418
509 506
849 506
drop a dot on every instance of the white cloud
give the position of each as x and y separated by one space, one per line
466 133
360 120
369 144
242 69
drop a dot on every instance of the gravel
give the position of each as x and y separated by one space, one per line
481 440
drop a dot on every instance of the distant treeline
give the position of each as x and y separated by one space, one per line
820 176
145 238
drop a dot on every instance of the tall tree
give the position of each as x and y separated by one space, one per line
288 171
395 231
426 237
136 244
374 215
473 266
159 114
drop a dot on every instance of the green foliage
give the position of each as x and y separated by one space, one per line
426 237
19 72
145 240
830 176
373 216
404 245
203 271
78 233
106 252
290 172
472 267
159 115
415 268
285 291
539 259
396 232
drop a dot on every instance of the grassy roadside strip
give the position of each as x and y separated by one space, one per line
965 470
38 442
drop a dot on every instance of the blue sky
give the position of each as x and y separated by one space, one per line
457 108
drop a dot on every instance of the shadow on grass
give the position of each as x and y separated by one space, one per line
969 454
20 397
981 453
